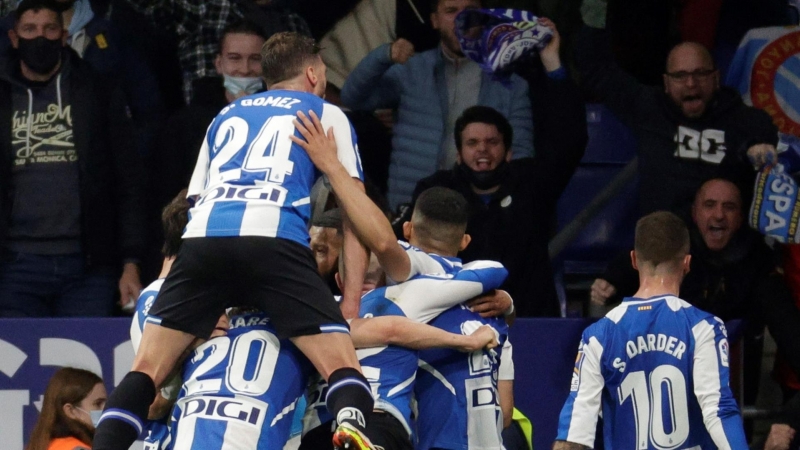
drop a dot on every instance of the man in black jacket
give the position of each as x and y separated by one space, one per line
513 203
70 215
733 276
689 130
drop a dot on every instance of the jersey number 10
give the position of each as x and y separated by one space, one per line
666 384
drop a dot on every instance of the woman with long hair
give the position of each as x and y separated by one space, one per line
73 402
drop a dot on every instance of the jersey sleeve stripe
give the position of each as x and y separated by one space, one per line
578 419
423 299
334 117
506 371
720 413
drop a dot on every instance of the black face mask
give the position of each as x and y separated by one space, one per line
40 54
484 179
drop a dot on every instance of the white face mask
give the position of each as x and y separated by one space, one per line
94 415
245 85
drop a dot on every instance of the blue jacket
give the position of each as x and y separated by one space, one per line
417 89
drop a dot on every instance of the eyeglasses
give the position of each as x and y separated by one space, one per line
697 75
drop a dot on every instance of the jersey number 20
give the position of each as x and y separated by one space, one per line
665 392
260 349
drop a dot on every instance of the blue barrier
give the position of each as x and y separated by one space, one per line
31 350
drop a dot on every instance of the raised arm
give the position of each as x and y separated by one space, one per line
375 83
561 123
398 330
368 221
601 76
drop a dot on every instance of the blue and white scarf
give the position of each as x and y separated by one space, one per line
496 38
775 209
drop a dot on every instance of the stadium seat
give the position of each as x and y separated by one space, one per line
611 147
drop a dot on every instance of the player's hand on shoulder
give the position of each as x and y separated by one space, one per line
320 146
491 304
780 437
601 291
401 51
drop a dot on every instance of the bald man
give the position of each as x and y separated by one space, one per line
732 276
690 130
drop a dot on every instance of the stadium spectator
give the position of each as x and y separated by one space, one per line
431 89
733 276
513 203
238 65
96 41
71 407
653 339
69 186
346 41
689 131
199 27
436 233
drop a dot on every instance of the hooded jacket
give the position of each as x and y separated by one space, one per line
109 167
676 154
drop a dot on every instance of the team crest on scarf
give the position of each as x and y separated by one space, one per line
497 38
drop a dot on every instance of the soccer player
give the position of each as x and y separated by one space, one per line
428 275
656 364
465 386
247 238
392 370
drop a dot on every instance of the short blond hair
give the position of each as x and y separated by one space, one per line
285 55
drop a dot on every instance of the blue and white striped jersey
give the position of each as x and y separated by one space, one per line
659 368
240 390
251 179
437 283
463 385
